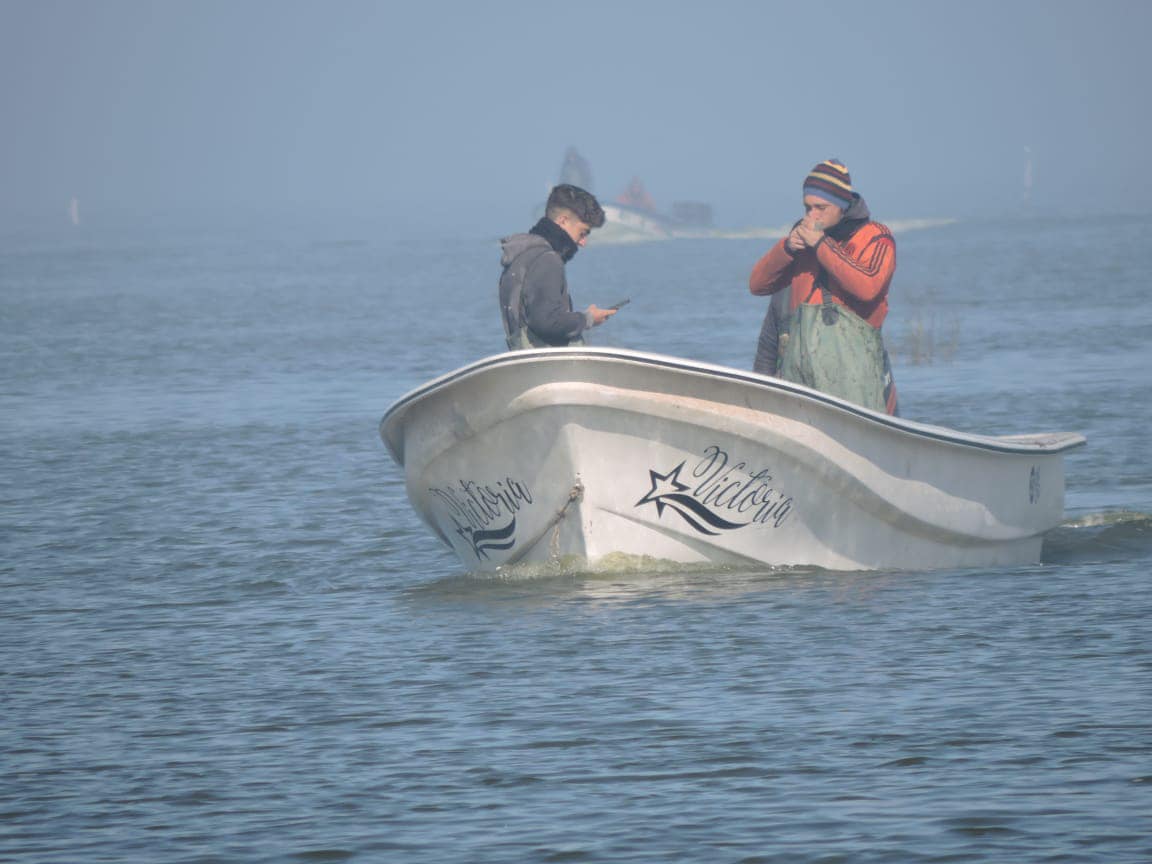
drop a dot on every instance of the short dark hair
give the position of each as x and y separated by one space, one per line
577 201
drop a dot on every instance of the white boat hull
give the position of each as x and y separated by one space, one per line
627 224
584 453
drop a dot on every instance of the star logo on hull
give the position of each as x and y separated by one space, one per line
669 492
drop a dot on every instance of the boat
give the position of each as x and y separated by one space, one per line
590 456
633 217
624 224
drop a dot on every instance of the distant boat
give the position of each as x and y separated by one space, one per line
633 215
74 210
623 223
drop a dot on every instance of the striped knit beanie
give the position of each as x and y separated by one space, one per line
830 180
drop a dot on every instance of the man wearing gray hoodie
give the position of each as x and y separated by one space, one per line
534 302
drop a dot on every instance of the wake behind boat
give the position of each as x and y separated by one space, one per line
580 453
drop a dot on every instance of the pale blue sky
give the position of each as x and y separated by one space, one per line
464 110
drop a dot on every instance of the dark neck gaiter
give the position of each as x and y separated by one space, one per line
557 238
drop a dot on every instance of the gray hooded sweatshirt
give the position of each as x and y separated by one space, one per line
534 272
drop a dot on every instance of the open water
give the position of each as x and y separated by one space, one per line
225 636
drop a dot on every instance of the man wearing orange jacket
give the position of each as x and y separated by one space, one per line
836 249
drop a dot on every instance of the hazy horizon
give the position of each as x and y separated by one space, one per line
463 112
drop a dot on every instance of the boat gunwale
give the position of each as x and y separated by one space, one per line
1013 444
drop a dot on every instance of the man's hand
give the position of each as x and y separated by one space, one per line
805 236
795 240
599 316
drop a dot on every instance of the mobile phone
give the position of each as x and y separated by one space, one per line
623 302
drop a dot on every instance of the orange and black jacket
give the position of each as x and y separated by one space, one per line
854 260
